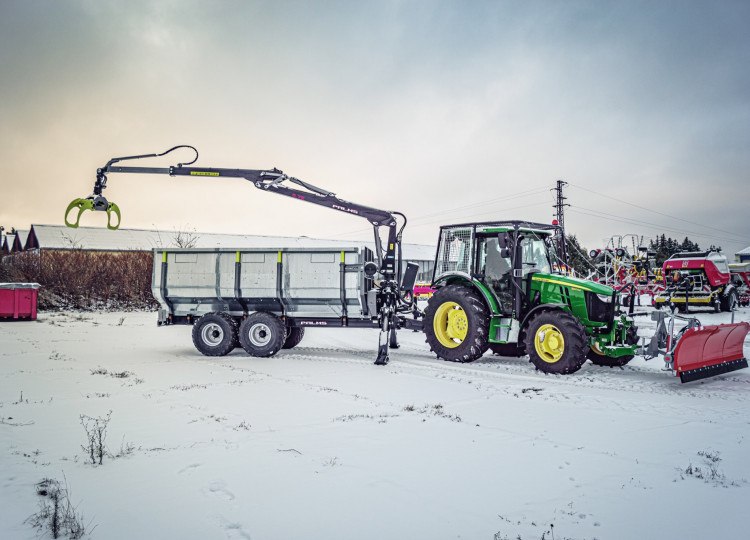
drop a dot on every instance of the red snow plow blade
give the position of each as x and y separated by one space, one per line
710 350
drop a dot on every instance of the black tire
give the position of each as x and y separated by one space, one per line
262 334
214 334
515 350
293 337
235 329
456 324
556 342
600 359
730 301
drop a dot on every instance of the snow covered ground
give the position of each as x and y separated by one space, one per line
318 443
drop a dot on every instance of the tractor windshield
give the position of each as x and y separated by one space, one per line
534 253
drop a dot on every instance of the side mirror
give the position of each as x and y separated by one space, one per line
503 241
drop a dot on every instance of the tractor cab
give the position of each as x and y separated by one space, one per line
502 257
499 258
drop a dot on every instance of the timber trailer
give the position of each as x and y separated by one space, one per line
496 287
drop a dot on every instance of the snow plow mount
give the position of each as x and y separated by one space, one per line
698 352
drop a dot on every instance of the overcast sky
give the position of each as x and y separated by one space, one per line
447 111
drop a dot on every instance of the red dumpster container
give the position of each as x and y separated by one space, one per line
18 300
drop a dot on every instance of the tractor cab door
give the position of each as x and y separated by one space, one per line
534 258
495 272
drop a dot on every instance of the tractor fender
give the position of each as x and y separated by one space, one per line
537 309
466 280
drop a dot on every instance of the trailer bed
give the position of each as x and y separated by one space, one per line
304 286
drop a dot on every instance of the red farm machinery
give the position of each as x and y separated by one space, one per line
740 275
705 281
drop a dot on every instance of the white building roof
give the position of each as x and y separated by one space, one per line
745 251
8 241
102 239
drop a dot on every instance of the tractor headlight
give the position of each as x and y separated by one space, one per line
606 298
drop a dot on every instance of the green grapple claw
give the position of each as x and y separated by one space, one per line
112 207
97 203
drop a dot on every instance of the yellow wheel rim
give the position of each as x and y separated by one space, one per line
450 324
549 343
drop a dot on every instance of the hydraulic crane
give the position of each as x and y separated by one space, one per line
391 299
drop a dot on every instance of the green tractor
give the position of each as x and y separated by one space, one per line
501 286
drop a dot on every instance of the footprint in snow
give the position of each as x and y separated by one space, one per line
234 531
189 469
218 489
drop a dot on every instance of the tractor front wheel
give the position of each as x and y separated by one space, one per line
456 324
556 342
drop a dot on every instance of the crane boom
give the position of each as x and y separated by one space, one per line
276 181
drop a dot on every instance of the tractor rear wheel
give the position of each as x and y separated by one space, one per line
599 358
456 324
556 342
214 334
262 334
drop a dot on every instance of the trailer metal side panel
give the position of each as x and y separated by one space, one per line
296 282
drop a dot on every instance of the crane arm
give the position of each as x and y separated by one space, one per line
270 180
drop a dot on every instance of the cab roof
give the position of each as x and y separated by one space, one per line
502 226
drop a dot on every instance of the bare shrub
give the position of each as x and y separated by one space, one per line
56 513
96 435
79 279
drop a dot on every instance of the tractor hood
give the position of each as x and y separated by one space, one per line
575 283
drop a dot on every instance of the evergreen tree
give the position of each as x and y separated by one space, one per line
665 247
578 258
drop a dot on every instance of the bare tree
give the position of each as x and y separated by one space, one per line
185 238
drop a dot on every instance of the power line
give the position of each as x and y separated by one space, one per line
651 210
485 203
612 217
441 214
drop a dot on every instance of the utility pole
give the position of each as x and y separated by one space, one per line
559 207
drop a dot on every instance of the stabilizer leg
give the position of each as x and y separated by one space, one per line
383 339
394 339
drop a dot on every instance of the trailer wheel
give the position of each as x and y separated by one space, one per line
214 334
456 324
235 329
262 334
556 342
293 337
599 358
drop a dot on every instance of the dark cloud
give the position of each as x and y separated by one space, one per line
424 107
